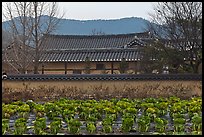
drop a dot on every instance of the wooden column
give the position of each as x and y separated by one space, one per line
65 65
111 67
138 67
42 68
135 67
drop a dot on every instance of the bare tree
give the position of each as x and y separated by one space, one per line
179 28
123 66
16 52
87 69
31 25
95 32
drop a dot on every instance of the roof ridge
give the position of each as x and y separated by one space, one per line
90 50
95 36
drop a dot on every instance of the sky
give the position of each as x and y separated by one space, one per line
104 10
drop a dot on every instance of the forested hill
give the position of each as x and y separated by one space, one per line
89 27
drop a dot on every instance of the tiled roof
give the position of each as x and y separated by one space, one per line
55 42
94 55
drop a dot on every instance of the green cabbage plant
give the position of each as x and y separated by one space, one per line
51 110
197 122
55 126
39 126
74 126
20 126
127 124
143 123
39 110
107 125
5 126
160 125
91 127
179 124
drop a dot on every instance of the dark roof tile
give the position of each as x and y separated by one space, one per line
53 42
94 55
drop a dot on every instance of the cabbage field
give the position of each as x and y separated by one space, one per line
148 116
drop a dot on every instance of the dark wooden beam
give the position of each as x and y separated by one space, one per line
42 69
65 65
138 66
111 67
135 67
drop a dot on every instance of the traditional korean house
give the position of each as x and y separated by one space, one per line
94 54
82 54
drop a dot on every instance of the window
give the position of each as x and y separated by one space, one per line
76 71
100 66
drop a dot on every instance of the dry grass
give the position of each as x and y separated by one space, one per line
47 93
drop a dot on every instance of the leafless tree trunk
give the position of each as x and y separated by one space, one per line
16 53
181 23
33 25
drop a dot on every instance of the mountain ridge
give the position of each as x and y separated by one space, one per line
105 26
